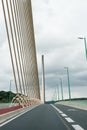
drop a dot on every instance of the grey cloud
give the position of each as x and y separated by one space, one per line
57 25
46 1
2 35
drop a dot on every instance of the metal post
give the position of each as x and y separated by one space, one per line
68 82
83 38
43 80
58 93
85 47
61 88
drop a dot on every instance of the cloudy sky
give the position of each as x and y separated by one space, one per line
57 25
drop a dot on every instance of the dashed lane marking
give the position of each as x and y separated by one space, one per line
77 127
60 112
69 120
64 115
57 109
60 117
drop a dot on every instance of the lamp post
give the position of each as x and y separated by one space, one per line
58 93
68 82
61 87
83 38
43 80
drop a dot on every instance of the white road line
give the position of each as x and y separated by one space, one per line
12 118
69 120
64 115
57 109
60 112
2 124
77 127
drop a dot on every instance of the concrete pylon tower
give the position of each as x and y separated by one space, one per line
43 80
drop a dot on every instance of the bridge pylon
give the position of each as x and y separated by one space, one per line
20 33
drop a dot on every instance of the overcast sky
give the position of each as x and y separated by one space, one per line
57 25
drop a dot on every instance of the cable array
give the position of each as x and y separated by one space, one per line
20 32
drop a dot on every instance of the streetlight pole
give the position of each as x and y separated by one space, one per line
43 80
68 82
83 38
61 88
58 92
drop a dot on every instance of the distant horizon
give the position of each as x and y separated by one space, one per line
66 99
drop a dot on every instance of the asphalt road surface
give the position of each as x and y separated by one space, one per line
49 117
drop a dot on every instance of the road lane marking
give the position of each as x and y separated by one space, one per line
62 119
60 112
57 109
64 115
11 119
69 120
77 127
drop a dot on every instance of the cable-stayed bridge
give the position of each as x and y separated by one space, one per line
31 114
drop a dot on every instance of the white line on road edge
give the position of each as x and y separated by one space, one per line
77 127
16 116
69 120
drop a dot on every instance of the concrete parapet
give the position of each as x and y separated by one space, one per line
80 104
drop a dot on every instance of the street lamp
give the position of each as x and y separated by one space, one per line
68 82
61 87
83 38
58 93
43 80
54 98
